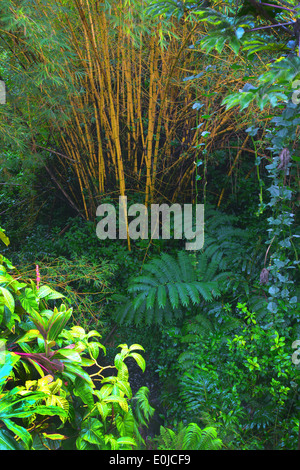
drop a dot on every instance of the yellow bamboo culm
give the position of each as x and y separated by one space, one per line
130 122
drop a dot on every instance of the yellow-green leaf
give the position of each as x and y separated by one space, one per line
8 299
4 238
54 436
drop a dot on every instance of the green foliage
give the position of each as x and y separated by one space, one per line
245 384
169 288
43 373
222 365
190 437
169 285
19 404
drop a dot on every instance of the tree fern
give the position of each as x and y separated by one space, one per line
143 411
242 251
167 287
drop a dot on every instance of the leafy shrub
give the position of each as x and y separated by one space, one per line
245 385
43 373
84 283
190 437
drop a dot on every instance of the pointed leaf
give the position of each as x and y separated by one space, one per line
139 359
8 299
21 432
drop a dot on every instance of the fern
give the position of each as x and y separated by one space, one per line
169 439
167 287
197 389
197 439
143 411
190 437
242 252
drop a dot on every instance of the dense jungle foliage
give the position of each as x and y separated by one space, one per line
121 344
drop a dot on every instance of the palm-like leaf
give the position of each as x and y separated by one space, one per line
167 287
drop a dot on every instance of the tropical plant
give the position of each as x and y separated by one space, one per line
47 363
168 286
19 404
190 437
248 373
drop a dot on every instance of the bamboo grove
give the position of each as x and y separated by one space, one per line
119 111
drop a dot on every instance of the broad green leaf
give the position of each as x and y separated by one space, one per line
57 323
43 291
118 361
123 373
84 391
120 400
104 392
29 336
39 321
124 386
21 432
103 409
93 333
77 371
50 411
125 424
136 346
92 431
8 299
78 332
28 300
69 354
7 441
5 279
55 295
93 348
4 238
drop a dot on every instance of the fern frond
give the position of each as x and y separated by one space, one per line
186 267
167 437
170 285
190 437
151 298
173 295
183 293
143 411
171 266
193 293
208 290
161 296
152 281
207 440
